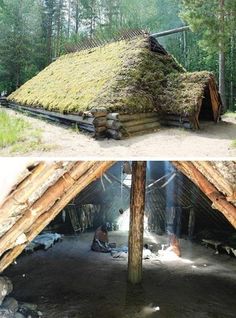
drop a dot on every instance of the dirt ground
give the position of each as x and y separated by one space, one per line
71 281
212 141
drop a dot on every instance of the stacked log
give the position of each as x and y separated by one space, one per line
173 120
124 125
82 120
3 101
99 123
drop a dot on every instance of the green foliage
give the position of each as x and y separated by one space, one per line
33 32
125 77
12 130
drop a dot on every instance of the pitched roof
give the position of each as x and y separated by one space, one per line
126 76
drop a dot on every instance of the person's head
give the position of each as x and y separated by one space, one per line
104 228
121 211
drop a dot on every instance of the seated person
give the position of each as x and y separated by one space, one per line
100 240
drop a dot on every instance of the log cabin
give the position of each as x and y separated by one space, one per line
127 87
93 192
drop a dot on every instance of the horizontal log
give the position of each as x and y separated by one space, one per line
140 122
113 116
176 117
100 121
177 124
113 124
48 114
114 134
99 112
100 129
140 132
142 127
128 117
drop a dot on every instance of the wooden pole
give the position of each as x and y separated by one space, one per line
191 223
137 204
173 31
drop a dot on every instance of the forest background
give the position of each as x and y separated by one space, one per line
34 32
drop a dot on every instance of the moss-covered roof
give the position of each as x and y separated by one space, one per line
124 76
183 92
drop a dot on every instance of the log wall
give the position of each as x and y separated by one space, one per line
121 126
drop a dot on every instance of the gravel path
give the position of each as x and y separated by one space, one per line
212 141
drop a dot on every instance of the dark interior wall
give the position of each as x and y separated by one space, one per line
100 202
206 112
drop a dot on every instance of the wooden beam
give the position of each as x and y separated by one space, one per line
137 204
172 31
208 170
66 193
217 198
47 200
30 189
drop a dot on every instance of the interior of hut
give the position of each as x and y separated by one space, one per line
188 250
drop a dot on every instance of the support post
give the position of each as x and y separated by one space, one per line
137 205
191 224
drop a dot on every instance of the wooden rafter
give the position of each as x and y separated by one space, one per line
218 199
45 208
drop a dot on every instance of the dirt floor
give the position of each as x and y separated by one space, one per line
71 281
212 141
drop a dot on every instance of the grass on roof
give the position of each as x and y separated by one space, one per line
183 92
122 76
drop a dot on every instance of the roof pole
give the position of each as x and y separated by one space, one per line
172 31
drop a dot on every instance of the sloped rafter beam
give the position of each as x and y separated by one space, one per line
45 209
218 199
207 169
29 190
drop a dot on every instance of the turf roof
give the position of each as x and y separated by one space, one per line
124 76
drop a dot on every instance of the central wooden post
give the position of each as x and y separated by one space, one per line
137 204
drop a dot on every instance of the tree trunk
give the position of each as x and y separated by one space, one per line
77 17
222 56
137 204
69 18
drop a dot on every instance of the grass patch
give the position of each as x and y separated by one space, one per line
230 114
233 143
18 136
12 129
